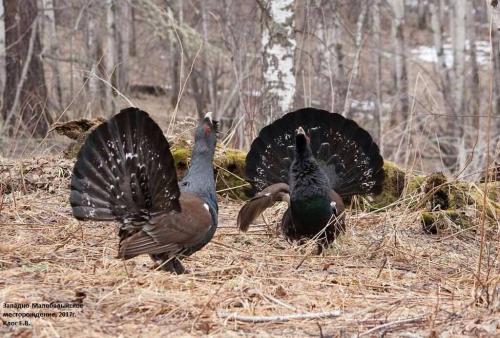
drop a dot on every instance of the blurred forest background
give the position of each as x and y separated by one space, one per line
420 75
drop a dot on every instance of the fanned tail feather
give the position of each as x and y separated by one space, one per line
345 151
124 171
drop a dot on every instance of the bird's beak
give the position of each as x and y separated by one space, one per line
300 131
208 116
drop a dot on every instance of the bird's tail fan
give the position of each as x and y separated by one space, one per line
124 171
345 151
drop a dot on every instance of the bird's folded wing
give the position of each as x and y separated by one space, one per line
338 203
260 202
170 232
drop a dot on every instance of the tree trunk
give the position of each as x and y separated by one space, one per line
357 45
25 93
123 17
437 19
378 71
2 48
457 156
398 7
475 89
422 10
495 12
176 56
52 42
207 67
339 68
110 56
278 43
133 32
95 56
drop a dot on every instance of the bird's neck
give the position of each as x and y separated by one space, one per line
307 179
199 179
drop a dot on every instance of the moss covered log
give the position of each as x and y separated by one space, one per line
435 195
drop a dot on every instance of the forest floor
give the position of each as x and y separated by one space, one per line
384 276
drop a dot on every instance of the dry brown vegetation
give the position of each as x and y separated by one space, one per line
384 276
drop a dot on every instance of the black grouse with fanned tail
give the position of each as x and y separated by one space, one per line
311 158
125 172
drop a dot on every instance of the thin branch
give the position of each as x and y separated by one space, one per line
391 325
285 318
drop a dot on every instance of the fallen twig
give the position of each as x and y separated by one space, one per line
284 318
392 325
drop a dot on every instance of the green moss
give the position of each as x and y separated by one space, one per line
438 221
181 158
415 184
230 166
392 188
234 161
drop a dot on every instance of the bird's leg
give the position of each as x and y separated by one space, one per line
169 263
178 267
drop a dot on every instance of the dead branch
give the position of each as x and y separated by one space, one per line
284 318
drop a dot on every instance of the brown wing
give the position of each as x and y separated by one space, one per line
170 232
260 202
339 207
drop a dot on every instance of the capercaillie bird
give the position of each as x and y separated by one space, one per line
125 172
311 159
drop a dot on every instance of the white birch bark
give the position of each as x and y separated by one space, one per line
278 42
459 37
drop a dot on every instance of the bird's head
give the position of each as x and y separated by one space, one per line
302 143
206 132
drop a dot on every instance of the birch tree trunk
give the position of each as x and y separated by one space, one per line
278 43
398 7
458 29
52 42
458 38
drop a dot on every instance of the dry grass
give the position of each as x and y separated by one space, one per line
384 276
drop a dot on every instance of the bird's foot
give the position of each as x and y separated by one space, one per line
170 264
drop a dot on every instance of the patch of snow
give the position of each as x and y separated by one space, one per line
429 53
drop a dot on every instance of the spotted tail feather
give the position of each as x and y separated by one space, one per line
124 171
345 151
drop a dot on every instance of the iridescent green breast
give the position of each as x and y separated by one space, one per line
310 215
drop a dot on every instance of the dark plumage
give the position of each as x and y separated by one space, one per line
125 172
311 158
